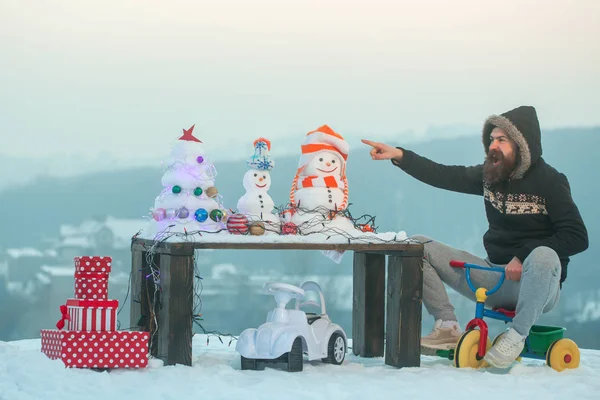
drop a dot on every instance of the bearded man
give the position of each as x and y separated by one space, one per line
534 227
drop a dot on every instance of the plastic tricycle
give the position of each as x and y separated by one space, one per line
543 342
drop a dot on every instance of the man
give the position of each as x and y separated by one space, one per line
534 226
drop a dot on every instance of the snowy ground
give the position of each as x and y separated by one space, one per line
26 373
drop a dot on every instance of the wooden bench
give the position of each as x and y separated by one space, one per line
399 324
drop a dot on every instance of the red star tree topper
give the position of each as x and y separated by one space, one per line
187 135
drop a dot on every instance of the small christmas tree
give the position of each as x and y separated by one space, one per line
189 202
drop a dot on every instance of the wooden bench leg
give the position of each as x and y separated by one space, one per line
144 294
176 308
368 305
138 259
404 304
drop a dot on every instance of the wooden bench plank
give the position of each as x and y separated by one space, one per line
174 248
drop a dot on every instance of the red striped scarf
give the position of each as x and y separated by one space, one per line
329 181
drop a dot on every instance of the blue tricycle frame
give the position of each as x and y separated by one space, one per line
543 342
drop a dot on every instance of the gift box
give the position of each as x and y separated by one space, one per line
92 264
121 349
91 286
91 277
92 315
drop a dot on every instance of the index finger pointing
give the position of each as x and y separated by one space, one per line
370 143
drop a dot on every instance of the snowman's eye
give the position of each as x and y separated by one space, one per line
264 177
255 175
320 159
333 161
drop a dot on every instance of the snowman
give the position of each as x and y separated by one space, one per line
256 203
320 187
320 184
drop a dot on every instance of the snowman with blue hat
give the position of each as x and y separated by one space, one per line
256 204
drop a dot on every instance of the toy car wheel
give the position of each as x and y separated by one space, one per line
295 360
336 349
563 354
465 354
248 363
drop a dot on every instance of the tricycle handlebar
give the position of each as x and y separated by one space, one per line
468 266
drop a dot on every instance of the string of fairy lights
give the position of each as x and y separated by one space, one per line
319 221
317 224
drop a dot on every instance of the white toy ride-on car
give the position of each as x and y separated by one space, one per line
289 333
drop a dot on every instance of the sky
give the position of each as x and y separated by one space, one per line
118 80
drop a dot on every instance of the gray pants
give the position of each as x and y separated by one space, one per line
537 292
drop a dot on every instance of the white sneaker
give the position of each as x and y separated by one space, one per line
507 350
443 336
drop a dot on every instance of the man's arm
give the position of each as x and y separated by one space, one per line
570 234
456 178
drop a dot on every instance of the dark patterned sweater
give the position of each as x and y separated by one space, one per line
532 208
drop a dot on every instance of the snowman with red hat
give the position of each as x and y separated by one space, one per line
320 185
256 204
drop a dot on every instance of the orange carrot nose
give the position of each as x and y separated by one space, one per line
328 164
260 179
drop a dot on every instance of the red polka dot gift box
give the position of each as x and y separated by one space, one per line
91 277
121 349
93 264
91 339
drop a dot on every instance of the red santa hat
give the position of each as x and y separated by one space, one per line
323 139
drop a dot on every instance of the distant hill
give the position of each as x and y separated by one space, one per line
35 211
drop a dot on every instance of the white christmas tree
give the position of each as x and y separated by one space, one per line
189 202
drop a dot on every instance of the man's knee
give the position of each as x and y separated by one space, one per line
420 238
544 259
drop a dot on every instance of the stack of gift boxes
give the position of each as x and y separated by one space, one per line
90 339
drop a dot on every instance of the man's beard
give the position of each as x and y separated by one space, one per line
496 167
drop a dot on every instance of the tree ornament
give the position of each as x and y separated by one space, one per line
212 192
171 213
183 213
176 189
225 216
257 229
201 215
216 215
289 228
237 224
198 191
159 214
199 159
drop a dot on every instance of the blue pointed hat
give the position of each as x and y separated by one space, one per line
261 159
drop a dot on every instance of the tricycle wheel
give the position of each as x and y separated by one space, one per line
465 354
295 361
336 349
248 363
563 354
